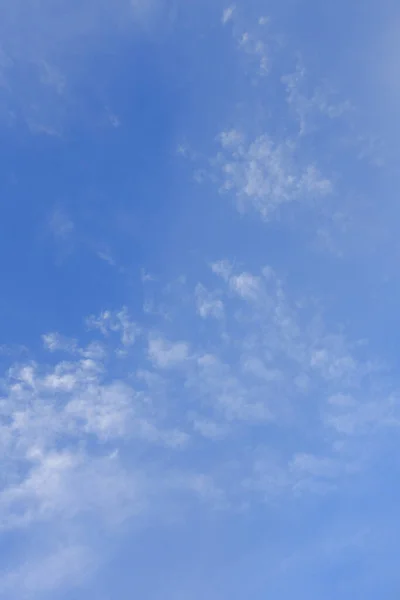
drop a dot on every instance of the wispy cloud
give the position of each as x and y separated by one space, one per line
49 573
61 225
115 322
267 159
311 106
230 389
208 304
228 14
38 50
269 370
265 176
167 354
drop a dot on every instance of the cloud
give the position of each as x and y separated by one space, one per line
116 322
165 354
246 285
255 48
228 14
208 305
47 51
50 572
61 225
222 268
62 231
85 439
310 107
68 484
210 429
233 391
55 342
265 176
252 44
267 159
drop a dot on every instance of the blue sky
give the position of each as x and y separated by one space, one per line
199 299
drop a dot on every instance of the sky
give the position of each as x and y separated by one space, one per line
199 254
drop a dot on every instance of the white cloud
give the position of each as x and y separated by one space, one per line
310 106
228 14
54 341
61 225
350 416
223 268
208 305
231 139
210 429
224 394
50 572
256 367
270 403
85 439
205 488
245 285
116 321
264 175
106 411
314 466
257 48
165 354
40 77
